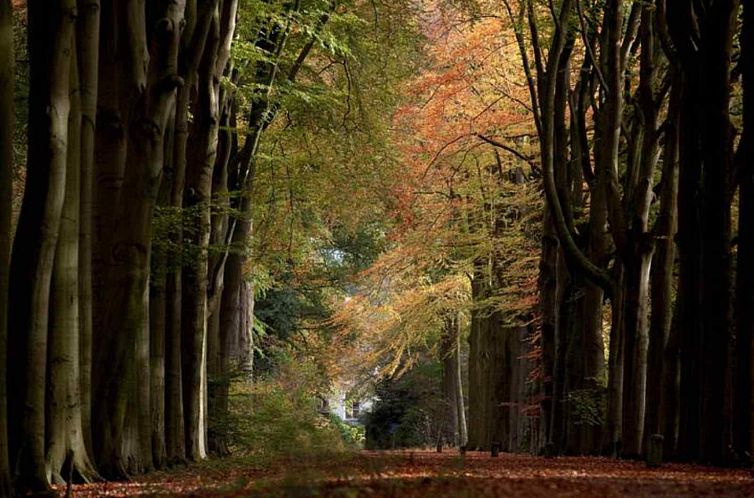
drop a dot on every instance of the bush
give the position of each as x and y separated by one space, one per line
278 417
352 435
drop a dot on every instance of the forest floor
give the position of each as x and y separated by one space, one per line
430 474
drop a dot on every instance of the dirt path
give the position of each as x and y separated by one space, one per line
428 474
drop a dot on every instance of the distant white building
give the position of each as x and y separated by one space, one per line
345 407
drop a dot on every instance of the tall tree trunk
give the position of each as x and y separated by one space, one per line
202 151
157 329
744 409
716 153
65 436
479 362
663 354
463 433
640 247
7 125
610 123
51 31
548 299
450 380
175 440
219 369
87 39
704 37
162 260
125 440
199 16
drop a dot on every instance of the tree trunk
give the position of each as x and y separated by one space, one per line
65 436
461 409
639 249
744 408
663 355
88 61
479 363
704 37
157 329
613 434
450 380
175 440
7 125
51 30
125 440
193 285
689 304
548 284
716 140
219 370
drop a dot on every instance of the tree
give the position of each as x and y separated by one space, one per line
704 222
7 114
50 25
123 443
743 428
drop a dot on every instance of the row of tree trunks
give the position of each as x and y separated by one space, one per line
615 264
105 310
125 443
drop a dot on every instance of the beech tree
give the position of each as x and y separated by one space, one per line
7 115
50 25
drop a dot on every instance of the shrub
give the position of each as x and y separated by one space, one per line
278 417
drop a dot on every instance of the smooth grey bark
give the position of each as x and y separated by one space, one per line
51 31
219 353
640 245
64 429
663 354
199 156
221 349
610 123
87 40
463 432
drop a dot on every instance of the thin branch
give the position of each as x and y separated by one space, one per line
513 151
589 48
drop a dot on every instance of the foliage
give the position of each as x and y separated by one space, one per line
463 208
408 411
277 416
353 435
587 406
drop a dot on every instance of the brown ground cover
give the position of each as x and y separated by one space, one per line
429 474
